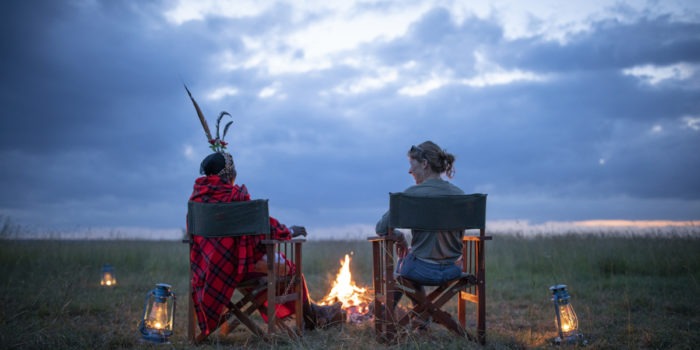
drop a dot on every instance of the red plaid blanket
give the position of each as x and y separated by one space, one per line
219 264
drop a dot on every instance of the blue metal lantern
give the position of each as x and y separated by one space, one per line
109 278
565 317
158 314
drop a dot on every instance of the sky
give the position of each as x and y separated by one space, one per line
560 111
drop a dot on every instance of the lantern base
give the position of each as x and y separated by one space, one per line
570 340
155 338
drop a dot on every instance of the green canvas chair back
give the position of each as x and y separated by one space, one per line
433 213
228 219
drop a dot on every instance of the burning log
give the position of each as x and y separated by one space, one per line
356 300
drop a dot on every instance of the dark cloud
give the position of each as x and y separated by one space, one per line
608 45
437 41
96 120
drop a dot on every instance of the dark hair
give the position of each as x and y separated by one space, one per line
216 164
439 160
212 164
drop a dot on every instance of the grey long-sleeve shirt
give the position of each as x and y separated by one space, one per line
431 246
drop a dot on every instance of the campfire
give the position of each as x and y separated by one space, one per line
356 300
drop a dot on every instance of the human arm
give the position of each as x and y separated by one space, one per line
298 231
278 231
382 229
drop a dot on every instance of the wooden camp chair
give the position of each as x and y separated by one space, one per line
437 213
277 287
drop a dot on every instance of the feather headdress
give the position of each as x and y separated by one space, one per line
216 144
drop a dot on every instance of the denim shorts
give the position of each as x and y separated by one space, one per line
427 273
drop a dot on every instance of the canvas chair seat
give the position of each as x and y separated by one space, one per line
259 292
434 213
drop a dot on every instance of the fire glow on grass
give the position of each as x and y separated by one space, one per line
355 299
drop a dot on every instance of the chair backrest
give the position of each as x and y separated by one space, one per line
438 213
228 219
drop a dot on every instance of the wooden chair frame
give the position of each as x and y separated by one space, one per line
235 219
468 212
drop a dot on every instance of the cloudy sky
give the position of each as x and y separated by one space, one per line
560 111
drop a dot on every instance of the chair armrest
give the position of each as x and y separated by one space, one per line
276 241
394 238
265 241
477 238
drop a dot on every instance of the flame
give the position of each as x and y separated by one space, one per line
569 321
157 316
108 279
346 291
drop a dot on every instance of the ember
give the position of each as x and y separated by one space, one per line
355 299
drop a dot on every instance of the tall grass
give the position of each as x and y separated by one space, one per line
629 293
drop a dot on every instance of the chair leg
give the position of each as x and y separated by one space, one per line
291 332
271 289
449 322
481 292
191 319
299 287
462 311
390 303
378 291
248 322
431 304
446 320
227 324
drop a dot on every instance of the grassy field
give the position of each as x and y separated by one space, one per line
629 293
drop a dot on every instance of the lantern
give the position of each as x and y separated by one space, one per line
108 277
565 317
158 314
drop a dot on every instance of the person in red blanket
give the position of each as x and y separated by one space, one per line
219 264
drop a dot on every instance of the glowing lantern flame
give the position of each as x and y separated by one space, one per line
354 298
108 277
157 316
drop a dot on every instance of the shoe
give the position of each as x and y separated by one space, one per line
471 279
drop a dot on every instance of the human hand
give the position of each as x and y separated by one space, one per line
298 231
401 244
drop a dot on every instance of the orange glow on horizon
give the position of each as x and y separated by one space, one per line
636 223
